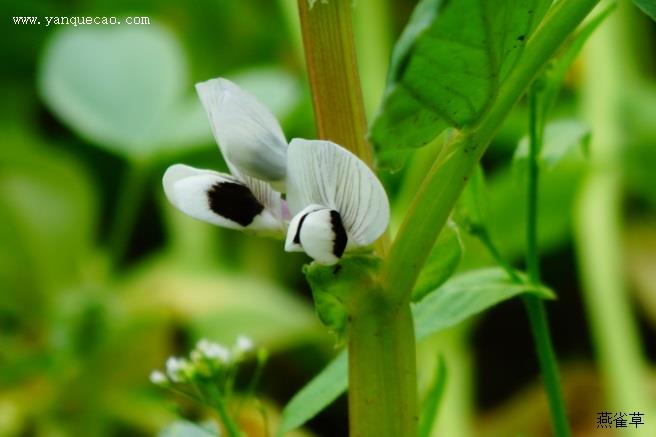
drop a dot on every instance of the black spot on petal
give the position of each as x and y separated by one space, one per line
234 201
339 244
297 237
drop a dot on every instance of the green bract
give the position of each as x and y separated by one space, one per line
447 68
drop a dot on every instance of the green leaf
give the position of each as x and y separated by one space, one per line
124 88
447 68
460 298
647 6
561 138
433 399
465 296
317 394
441 264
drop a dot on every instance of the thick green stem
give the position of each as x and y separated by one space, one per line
382 371
535 309
333 72
448 176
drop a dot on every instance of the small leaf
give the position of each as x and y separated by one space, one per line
447 67
433 399
320 392
441 264
466 295
123 88
333 287
647 6
560 139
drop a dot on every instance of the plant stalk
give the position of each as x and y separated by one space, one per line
449 174
382 369
327 30
535 309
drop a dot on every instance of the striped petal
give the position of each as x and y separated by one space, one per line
323 173
248 133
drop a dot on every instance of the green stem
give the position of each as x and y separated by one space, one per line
537 317
446 179
127 210
228 423
333 72
382 370
534 306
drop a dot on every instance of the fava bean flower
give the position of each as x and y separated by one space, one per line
334 202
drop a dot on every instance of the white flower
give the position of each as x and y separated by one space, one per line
176 368
337 202
157 377
243 344
213 351
254 148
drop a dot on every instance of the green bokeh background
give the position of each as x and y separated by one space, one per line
101 279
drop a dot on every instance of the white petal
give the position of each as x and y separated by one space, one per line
323 236
292 241
321 172
218 198
248 133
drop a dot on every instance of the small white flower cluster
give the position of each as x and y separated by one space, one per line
205 360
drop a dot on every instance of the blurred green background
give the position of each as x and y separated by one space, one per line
101 279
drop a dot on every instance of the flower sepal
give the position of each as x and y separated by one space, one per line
338 290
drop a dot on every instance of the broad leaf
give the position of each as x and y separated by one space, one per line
320 392
648 7
561 138
441 264
466 295
447 67
124 88
460 298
